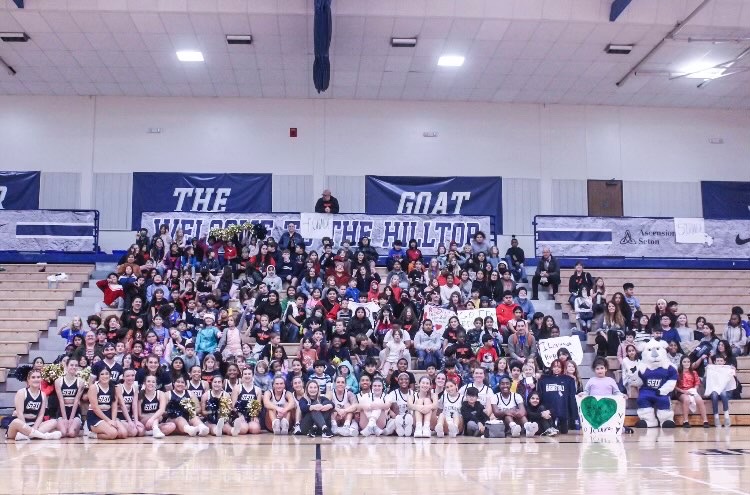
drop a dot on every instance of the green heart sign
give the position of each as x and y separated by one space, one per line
598 411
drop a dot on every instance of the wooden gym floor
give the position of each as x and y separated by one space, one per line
695 461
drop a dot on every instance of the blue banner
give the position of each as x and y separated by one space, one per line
478 196
726 200
199 193
19 190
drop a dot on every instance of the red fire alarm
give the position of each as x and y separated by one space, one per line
292 132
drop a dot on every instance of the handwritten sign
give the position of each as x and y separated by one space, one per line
691 231
439 317
316 225
601 415
548 348
467 316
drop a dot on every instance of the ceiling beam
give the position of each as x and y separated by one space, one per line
19 3
618 7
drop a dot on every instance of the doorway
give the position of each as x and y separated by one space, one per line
605 198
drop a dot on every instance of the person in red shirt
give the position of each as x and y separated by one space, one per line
230 253
340 275
114 295
487 354
504 312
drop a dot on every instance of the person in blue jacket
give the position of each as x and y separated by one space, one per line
558 393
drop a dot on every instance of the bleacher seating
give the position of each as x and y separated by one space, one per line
28 304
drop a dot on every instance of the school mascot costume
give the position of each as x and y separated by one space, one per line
657 378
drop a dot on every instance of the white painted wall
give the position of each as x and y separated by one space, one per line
354 138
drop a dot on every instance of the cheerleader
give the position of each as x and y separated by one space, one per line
69 389
102 415
30 406
196 386
233 378
279 405
344 407
244 394
178 417
210 405
422 404
450 421
401 419
152 407
127 404
373 406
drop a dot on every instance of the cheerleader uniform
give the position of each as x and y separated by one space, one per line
104 399
485 392
150 406
127 400
212 405
31 407
69 393
174 407
195 391
403 423
451 407
229 388
244 398
343 403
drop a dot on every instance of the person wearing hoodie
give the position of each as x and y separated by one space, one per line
208 337
525 303
364 246
396 271
346 370
272 280
428 344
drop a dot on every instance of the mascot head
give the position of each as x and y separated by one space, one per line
654 354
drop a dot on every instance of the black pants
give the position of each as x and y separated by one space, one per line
607 347
536 281
315 418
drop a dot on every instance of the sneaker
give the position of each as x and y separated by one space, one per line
20 436
377 431
390 427
727 421
220 427
686 424
276 426
93 435
706 425
236 428
203 431
717 421
366 431
284 427
408 425
326 433
452 430
191 430
313 431
531 429
439 431
399 428
549 432
297 430
515 430
57 435
353 430
157 432
335 429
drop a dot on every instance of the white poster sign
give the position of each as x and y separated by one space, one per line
719 379
371 310
316 225
438 316
601 415
548 348
467 316
691 231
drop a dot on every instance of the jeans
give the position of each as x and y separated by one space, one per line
724 396
425 358
315 418
291 334
518 272
554 281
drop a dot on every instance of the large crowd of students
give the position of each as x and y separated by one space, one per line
191 337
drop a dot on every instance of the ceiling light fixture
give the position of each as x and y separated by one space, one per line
403 42
14 37
451 61
239 39
710 73
189 56
618 49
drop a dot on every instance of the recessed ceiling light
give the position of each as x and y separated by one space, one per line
711 73
451 61
14 37
618 49
189 56
239 39
403 42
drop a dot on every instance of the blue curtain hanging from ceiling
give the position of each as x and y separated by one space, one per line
323 28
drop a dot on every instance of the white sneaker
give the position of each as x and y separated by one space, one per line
531 429
353 429
191 430
440 431
203 431
220 427
157 432
366 431
276 426
408 425
20 436
297 430
377 431
57 435
452 430
236 428
93 435
284 427
400 431
390 427
727 421
418 432
335 428
515 430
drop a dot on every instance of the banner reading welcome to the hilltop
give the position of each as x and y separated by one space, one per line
430 230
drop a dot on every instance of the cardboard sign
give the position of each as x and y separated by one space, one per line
601 415
467 316
371 309
548 348
439 317
316 225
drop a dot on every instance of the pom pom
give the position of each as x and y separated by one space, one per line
253 408
84 374
22 372
51 372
